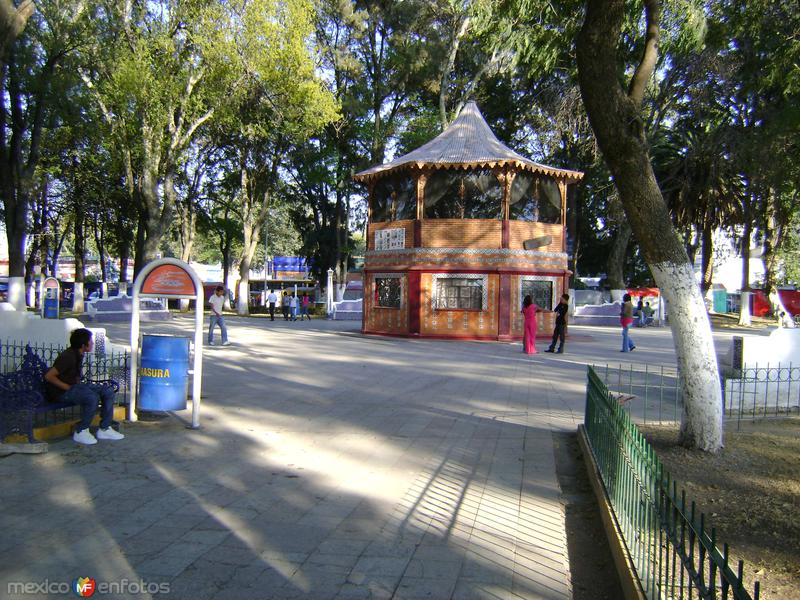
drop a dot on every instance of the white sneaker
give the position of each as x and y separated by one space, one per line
84 437
109 434
226 343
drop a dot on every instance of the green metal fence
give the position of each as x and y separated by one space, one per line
674 553
653 394
762 391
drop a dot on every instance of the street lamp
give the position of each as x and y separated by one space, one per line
329 305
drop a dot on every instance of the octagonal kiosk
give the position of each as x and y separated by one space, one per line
459 231
160 377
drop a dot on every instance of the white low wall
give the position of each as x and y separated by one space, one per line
771 371
29 328
780 346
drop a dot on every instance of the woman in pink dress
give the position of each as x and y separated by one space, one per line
529 310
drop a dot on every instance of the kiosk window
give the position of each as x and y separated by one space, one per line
388 292
456 293
540 291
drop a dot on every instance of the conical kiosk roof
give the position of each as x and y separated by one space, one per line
466 143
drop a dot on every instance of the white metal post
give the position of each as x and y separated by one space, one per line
329 303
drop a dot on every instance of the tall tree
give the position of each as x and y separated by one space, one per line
34 47
615 113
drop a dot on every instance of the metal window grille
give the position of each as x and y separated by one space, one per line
388 292
454 293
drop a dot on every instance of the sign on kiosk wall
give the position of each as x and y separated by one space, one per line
168 281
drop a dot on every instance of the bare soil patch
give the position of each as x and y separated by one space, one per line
731 321
750 492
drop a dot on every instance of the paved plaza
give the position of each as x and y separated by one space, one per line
328 465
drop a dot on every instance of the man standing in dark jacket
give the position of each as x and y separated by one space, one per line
560 331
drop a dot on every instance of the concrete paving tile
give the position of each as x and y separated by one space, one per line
321 560
393 547
362 529
317 584
434 569
384 569
343 546
142 544
417 588
199 584
180 520
210 524
164 566
268 583
349 591
184 548
480 590
227 555
209 537
536 590
168 534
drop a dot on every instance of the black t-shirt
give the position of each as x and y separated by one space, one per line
561 313
68 364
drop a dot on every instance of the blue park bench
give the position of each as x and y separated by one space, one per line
23 397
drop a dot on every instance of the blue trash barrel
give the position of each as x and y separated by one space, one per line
164 373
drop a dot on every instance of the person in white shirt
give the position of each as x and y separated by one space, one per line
216 301
293 307
272 299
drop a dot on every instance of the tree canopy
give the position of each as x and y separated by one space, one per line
158 116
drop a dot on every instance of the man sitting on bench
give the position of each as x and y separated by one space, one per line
647 313
64 384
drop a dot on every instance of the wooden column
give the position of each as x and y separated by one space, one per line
414 302
508 179
562 188
504 308
423 177
370 188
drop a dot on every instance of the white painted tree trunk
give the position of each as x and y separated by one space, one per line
78 298
243 294
616 295
16 293
701 425
744 309
30 294
708 298
340 287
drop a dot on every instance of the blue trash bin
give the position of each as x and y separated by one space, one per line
164 373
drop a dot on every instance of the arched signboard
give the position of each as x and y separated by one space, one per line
174 279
